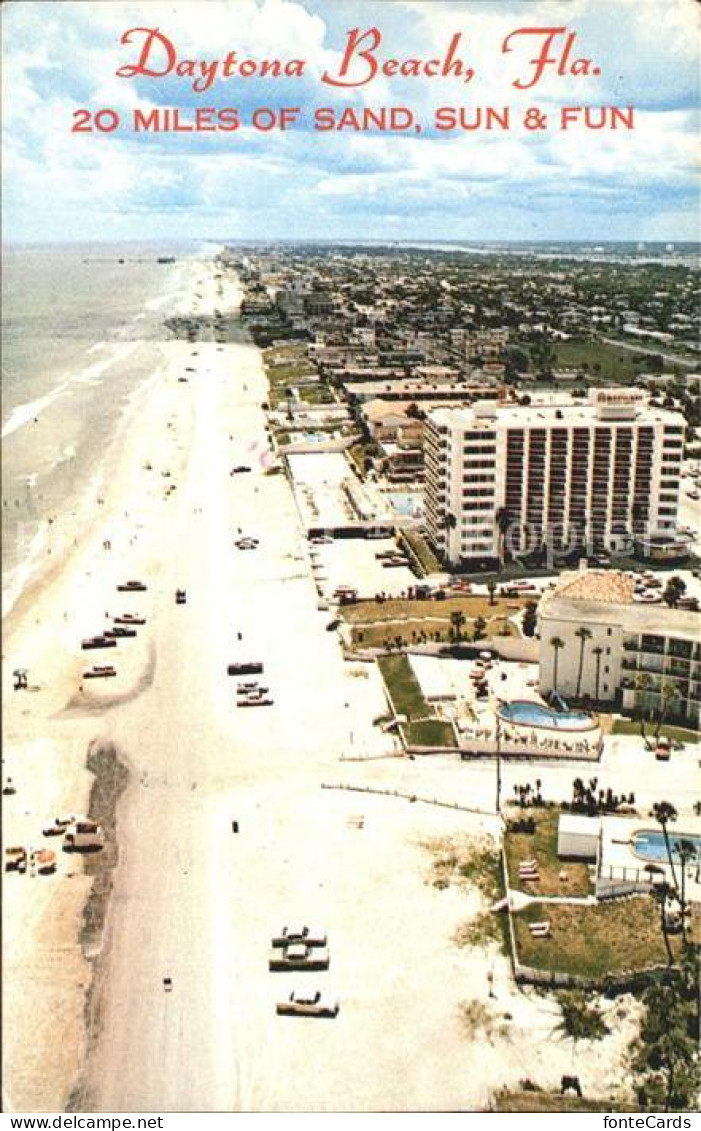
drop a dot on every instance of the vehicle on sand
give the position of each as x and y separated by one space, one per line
298 956
299 934
307 1005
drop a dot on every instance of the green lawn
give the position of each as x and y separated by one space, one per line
629 726
542 846
403 686
596 940
615 364
399 608
429 732
409 632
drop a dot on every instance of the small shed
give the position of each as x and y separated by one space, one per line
577 836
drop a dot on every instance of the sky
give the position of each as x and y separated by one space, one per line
301 183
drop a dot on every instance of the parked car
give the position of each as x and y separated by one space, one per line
131 587
246 667
100 671
299 934
119 630
254 701
180 596
98 642
15 859
306 1005
240 469
59 826
130 618
299 956
84 834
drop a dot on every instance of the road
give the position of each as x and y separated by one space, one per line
643 347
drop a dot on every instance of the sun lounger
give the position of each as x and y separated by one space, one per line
539 930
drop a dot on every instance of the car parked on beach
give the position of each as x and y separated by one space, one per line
298 956
59 826
119 630
131 587
84 834
180 597
299 934
98 642
130 618
247 543
100 671
245 667
307 1005
240 469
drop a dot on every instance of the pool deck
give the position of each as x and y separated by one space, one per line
619 861
448 684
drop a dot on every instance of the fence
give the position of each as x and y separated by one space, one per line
409 797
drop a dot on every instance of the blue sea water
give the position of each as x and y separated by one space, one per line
81 326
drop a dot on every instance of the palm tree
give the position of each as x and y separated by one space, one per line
598 652
457 621
583 634
643 683
450 522
665 814
502 519
479 628
662 893
556 644
669 695
687 853
491 589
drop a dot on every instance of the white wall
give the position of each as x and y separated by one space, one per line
608 637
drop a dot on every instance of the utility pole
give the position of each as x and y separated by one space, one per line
498 738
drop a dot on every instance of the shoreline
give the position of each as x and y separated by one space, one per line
47 734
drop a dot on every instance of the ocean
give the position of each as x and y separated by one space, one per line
80 331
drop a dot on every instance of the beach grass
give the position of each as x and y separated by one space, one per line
537 1101
541 845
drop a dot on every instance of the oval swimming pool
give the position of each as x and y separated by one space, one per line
650 845
525 712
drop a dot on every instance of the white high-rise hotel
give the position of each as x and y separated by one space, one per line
566 475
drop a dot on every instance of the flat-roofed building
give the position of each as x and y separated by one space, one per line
600 639
567 474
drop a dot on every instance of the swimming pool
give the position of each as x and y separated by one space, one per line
650 845
525 712
406 503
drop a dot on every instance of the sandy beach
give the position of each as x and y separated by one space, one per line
194 901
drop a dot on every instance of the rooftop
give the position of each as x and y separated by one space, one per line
609 587
549 413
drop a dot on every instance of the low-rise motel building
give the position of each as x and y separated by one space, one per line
599 639
560 473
